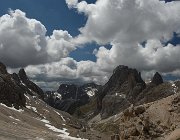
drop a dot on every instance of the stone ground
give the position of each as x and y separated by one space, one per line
38 121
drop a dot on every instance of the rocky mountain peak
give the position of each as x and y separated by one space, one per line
3 68
11 93
157 79
121 89
120 68
23 79
123 75
22 75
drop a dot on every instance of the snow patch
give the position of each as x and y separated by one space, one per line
53 128
69 137
175 88
14 118
33 108
91 91
120 95
45 121
14 123
12 108
26 96
23 83
64 135
60 115
57 95
37 138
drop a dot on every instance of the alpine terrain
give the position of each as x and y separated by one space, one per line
124 108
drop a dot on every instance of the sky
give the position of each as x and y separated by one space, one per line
71 41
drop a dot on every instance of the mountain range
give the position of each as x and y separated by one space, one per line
124 108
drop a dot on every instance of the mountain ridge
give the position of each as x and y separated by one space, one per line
124 108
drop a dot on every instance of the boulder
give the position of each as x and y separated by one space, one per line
139 110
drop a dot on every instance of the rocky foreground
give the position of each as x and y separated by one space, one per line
124 108
157 120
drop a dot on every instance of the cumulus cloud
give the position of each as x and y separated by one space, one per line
125 24
59 45
67 71
23 41
71 3
129 20
154 56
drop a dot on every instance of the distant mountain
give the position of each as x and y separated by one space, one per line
69 97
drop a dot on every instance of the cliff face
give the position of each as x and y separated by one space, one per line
29 84
14 86
11 93
119 92
126 87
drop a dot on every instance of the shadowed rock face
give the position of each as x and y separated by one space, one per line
68 91
72 96
119 92
22 75
3 69
126 87
32 86
11 94
157 79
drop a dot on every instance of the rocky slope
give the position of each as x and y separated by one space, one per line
158 120
24 114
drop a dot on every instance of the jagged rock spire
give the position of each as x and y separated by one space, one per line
157 79
22 75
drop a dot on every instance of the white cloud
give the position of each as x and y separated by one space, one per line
129 20
23 41
125 24
153 56
67 70
71 3
59 45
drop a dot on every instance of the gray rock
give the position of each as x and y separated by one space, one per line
157 79
124 81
